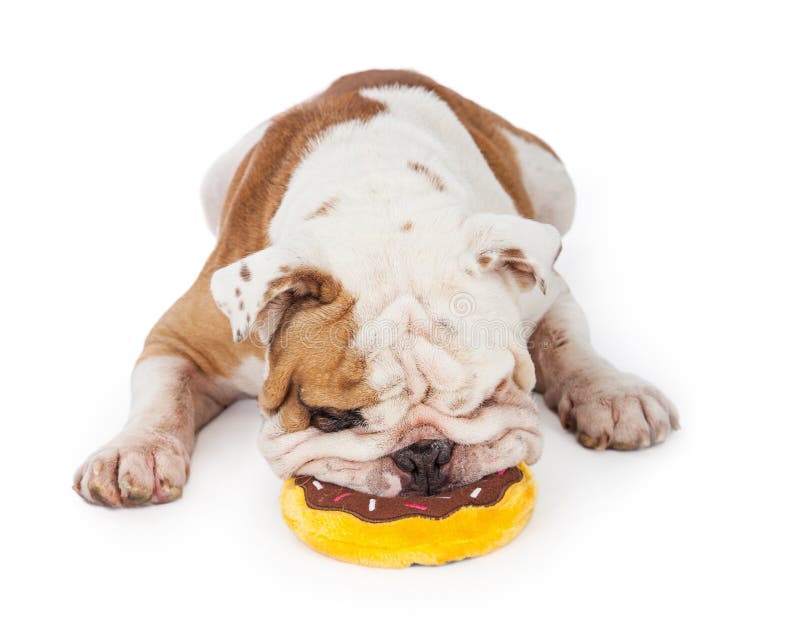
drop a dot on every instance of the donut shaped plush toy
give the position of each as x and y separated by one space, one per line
468 521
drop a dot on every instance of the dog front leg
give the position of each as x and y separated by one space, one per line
148 462
602 405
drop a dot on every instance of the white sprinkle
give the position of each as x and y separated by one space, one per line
372 504
475 493
317 484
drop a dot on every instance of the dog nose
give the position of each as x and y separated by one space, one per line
424 461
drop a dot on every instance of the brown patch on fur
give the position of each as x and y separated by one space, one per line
311 358
407 226
512 254
244 272
237 292
432 177
306 281
324 209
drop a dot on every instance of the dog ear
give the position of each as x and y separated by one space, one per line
256 291
523 250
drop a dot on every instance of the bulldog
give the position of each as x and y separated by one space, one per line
383 283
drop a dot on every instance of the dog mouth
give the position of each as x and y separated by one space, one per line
420 468
484 492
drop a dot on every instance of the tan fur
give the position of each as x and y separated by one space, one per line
311 362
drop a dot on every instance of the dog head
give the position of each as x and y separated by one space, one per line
396 364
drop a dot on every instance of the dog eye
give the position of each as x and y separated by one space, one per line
488 402
331 420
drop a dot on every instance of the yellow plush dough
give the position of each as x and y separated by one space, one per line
470 531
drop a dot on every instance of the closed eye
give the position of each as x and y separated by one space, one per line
489 401
332 420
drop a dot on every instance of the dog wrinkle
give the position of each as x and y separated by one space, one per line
292 452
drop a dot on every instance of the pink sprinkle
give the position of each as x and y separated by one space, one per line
342 495
414 505
501 472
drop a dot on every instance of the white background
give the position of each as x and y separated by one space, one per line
679 127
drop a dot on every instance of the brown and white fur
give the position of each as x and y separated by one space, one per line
383 276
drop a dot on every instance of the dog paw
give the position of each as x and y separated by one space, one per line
134 469
614 410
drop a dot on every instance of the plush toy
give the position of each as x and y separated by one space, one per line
397 532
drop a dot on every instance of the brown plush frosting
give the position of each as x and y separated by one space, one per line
485 492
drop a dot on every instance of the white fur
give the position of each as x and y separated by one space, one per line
249 375
153 384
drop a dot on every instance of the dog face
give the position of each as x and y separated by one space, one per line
396 364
